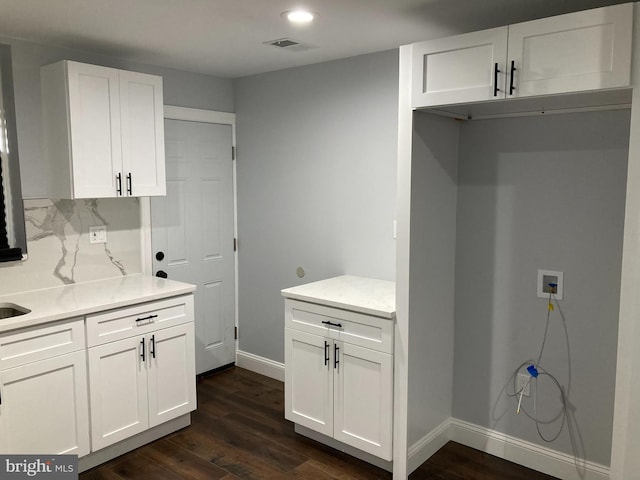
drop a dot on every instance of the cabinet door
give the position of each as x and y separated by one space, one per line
44 407
117 391
308 388
94 116
586 50
142 115
459 69
171 373
364 399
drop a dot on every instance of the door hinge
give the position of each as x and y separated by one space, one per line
233 153
235 332
235 244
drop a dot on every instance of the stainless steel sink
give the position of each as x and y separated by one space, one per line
8 310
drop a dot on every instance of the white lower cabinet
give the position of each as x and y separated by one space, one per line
171 374
308 381
140 382
43 391
138 372
363 399
118 386
334 386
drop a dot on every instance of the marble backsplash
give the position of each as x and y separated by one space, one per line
58 247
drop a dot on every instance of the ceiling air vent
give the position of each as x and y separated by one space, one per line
282 43
288 44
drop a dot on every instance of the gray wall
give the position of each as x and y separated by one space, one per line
540 193
431 291
180 88
317 149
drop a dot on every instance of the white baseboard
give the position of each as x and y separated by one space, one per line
261 365
420 451
525 453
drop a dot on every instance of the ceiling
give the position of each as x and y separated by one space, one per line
225 38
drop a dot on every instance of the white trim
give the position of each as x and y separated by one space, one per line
261 365
146 252
433 441
625 461
532 113
552 111
403 237
525 453
198 115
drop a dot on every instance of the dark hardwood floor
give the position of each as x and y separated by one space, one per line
239 432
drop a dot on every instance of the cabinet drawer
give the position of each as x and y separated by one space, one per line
349 327
41 342
138 319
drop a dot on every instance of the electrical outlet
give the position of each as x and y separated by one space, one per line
98 234
522 381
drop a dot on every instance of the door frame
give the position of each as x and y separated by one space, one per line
187 114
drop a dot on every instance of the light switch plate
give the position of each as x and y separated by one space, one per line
98 234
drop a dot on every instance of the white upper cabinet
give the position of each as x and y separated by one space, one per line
142 128
588 50
460 69
103 131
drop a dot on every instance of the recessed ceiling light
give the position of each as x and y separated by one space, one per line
299 16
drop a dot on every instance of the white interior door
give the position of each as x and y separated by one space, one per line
193 234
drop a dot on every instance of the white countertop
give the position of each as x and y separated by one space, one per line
358 294
79 299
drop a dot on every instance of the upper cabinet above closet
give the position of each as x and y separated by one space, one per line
103 131
576 52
